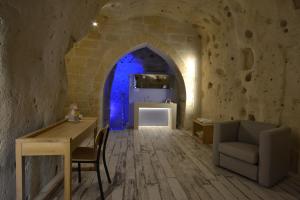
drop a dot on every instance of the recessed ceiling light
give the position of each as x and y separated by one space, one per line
95 24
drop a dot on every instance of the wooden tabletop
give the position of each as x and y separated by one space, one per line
203 123
61 130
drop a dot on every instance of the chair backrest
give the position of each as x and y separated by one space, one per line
105 138
99 141
101 137
249 131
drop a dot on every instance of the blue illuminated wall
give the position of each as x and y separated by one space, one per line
119 96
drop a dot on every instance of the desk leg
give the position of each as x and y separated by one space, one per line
19 172
67 173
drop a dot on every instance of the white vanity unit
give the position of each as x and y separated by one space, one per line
155 114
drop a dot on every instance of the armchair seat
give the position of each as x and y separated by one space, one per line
257 150
242 151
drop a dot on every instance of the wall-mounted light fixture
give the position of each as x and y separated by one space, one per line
95 24
190 81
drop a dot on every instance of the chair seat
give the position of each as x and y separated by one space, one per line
84 154
242 151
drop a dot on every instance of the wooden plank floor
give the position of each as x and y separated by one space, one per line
164 164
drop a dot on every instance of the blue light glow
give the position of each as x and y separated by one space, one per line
119 96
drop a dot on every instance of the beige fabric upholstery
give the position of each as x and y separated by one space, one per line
274 155
249 131
239 166
257 150
224 132
242 151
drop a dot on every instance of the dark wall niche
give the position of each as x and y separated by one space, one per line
297 4
248 34
244 90
283 23
248 77
251 117
220 72
248 57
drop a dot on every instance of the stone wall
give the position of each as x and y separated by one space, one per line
246 52
34 37
250 65
89 63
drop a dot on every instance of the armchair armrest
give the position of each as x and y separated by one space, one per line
224 132
274 155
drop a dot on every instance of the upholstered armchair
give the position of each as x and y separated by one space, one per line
259 151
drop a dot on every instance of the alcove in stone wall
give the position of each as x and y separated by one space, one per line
116 105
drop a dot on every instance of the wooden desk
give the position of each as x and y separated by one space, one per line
207 128
58 139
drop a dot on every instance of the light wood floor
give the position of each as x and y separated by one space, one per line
161 164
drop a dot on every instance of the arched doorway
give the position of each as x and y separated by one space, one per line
118 95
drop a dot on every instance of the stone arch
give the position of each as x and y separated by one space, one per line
115 52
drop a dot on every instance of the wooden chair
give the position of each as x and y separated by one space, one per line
92 155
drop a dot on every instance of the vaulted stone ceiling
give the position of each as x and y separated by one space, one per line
247 52
234 35
247 55
151 61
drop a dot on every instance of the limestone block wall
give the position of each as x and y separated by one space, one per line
250 55
250 66
247 53
90 61
34 37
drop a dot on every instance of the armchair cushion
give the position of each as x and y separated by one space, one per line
224 132
242 151
249 131
257 150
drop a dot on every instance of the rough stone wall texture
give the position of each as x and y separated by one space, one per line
250 66
34 37
90 61
251 70
247 56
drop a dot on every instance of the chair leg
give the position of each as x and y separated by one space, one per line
99 181
106 169
79 172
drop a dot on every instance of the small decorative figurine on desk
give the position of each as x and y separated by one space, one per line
168 100
74 115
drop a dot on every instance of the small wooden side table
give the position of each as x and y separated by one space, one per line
207 128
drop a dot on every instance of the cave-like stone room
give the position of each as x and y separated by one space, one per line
150 99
